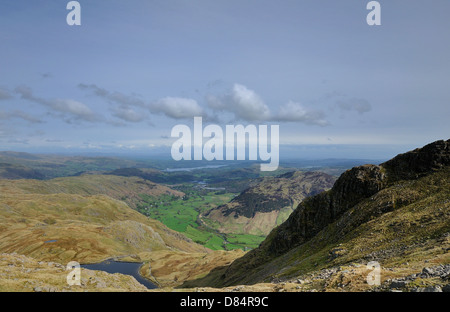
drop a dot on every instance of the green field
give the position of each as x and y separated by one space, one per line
182 215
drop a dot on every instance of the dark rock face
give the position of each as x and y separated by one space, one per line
419 162
358 183
316 212
250 203
275 193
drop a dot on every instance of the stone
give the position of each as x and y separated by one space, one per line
427 289
428 271
398 284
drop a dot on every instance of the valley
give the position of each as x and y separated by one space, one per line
228 228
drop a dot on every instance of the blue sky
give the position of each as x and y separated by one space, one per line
134 69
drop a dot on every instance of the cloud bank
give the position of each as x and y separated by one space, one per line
20 115
70 110
176 108
126 108
244 103
247 105
295 112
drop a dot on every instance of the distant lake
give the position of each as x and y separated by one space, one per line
194 168
128 268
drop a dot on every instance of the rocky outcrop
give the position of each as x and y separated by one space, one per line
419 162
275 193
260 208
314 213
439 275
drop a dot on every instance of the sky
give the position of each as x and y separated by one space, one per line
132 70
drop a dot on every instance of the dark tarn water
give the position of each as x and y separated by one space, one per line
129 268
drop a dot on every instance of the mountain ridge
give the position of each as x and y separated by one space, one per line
359 195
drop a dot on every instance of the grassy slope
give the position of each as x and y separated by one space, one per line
67 219
172 268
184 216
121 188
177 214
87 228
16 165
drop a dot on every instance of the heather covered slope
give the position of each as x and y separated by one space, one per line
260 208
397 213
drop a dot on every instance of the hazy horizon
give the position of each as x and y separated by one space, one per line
287 152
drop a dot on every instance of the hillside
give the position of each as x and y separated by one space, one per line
260 208
397 213
129 189
18 165
14 171
82 219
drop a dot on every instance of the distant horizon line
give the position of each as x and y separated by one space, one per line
159 154
368 152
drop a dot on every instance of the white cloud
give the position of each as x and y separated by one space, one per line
244 103
247 105
72 107
129 115
240 101
295 112
177 108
